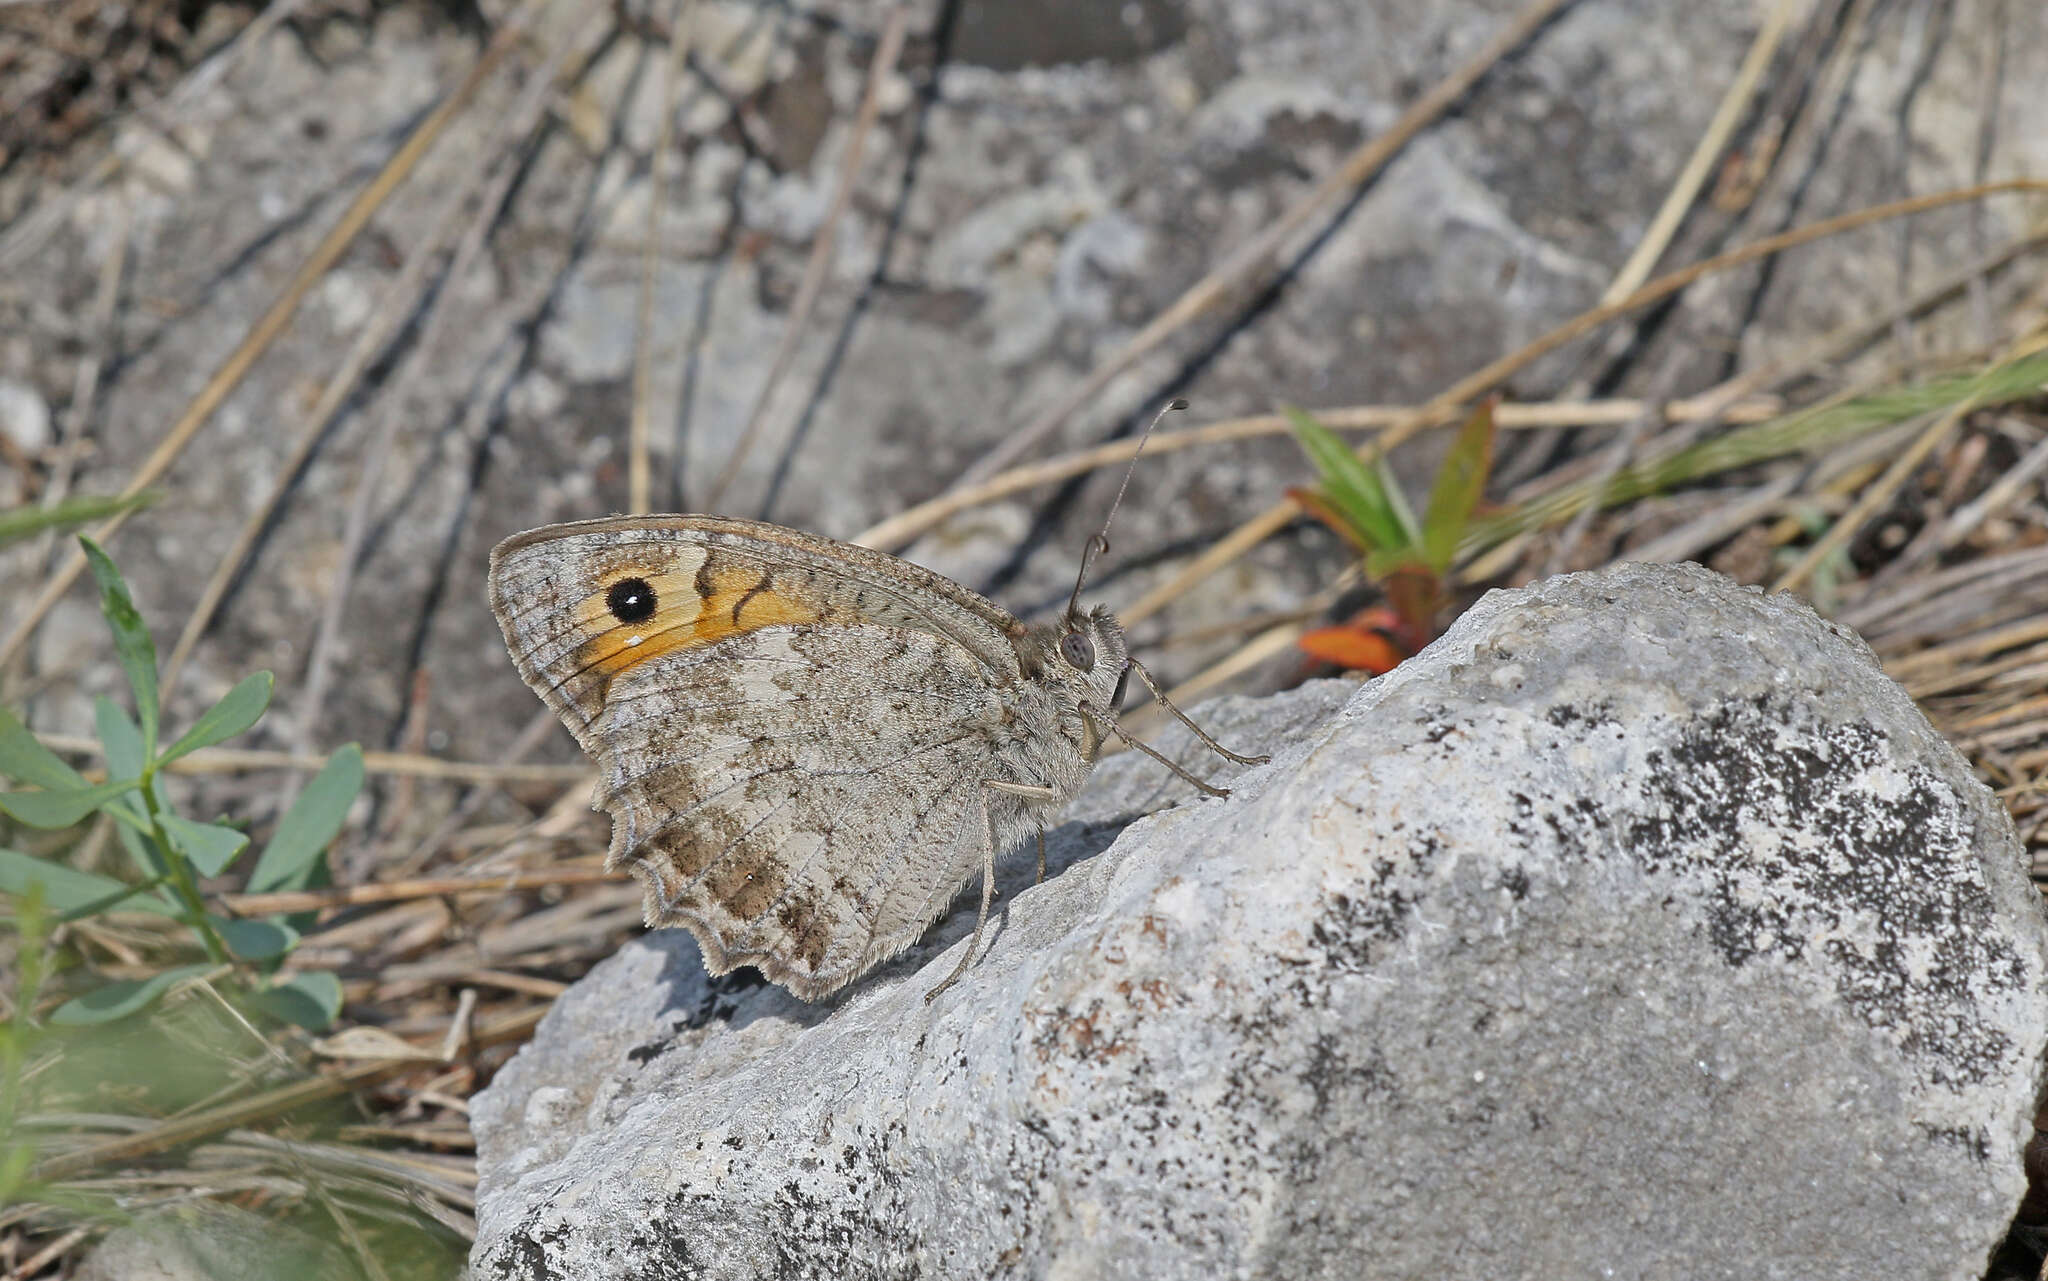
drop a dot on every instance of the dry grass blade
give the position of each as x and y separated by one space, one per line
1701 162
887 50
271 325
1842 530
537 731
2003 493
906 525
1848 338
1687 541
1836 346
426 887
1854 425
1898 615
49 1254
1258 255
1617 456
1448 405
1918 665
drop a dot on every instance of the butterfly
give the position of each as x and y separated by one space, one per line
807 747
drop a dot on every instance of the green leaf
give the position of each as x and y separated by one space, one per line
310 999
22 522
24 758
210 846
67 889
302 836
132 641
1358 492
237 710
1459 484
120 737
1313 502
60 807
256 939
1397 502
121 998
1380 566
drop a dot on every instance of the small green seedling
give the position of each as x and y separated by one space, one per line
172 852
1409 560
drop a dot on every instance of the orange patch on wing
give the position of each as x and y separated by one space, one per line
738 600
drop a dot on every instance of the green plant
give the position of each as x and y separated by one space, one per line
1409 560
17 1034
172 852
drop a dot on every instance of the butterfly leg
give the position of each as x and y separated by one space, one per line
988 869
1041 855
1159 696
1103 721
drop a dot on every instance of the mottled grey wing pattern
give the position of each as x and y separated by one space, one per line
803 799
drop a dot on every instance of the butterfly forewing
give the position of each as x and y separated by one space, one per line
582 603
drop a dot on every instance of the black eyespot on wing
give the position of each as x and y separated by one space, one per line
1079 651
630 600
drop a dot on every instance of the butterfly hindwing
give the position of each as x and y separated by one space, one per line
805 800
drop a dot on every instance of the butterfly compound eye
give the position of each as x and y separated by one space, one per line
1079 651
630 600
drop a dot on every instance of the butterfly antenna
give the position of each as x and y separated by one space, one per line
1099 542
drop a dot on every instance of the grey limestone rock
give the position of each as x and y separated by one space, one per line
1639 927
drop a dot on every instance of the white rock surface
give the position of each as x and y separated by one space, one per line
1640 927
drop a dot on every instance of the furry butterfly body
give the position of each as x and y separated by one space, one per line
808 748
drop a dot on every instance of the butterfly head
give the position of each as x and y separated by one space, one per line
1092 657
